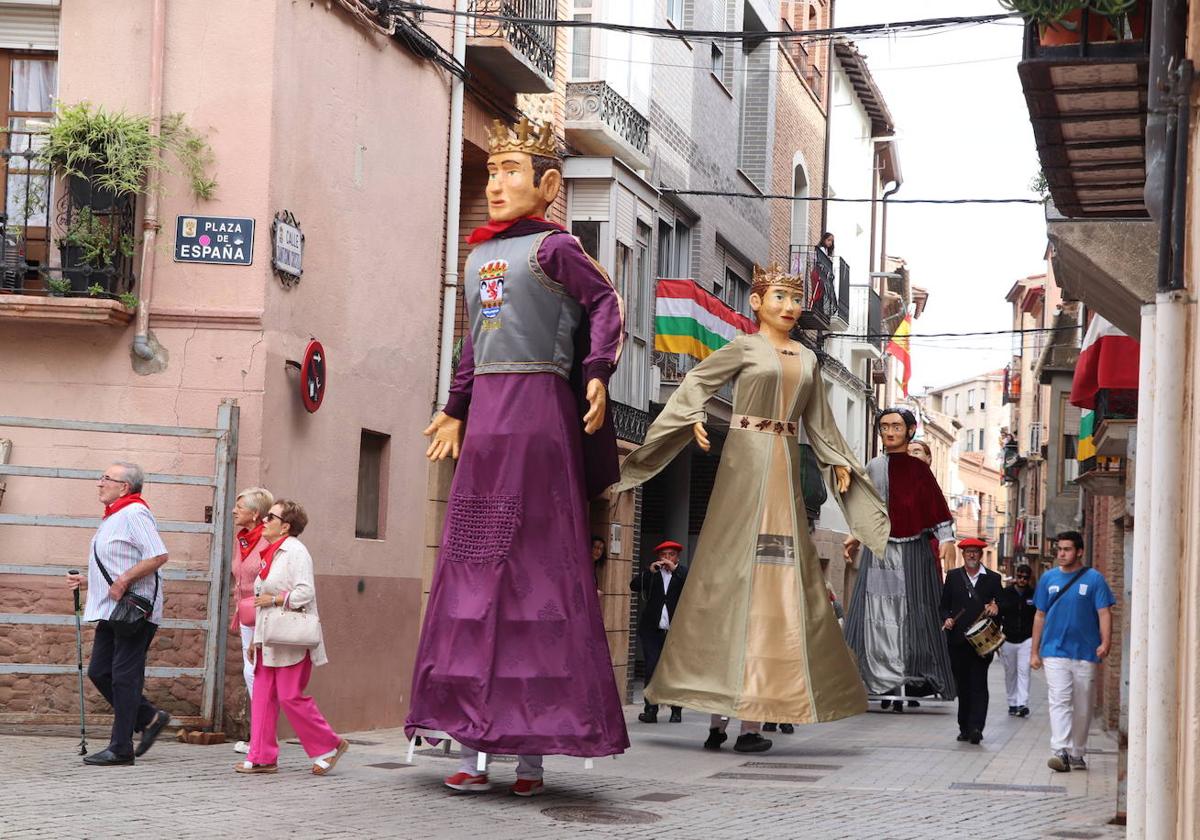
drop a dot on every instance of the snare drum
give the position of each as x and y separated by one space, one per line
985 636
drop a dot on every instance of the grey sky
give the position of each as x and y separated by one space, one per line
964 132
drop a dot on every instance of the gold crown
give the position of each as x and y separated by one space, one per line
773 275
494 269
530 139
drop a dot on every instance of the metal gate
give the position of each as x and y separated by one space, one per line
221 480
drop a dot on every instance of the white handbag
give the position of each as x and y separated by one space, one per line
294 628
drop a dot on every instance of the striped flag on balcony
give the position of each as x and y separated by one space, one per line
898 348
1108 359
689 320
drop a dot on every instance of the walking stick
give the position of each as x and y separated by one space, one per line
79 663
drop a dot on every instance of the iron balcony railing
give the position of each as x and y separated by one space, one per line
821 290
1087 33
672 367
79 243
865 315
843 295
534 41
597 100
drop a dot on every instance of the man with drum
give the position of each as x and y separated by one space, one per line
968 606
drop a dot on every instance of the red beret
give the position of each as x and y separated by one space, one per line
971 542
665 544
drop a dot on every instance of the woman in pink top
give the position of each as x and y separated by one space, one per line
248 512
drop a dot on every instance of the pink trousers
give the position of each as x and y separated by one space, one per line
284 687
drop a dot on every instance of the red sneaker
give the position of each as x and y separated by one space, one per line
528 787
465 781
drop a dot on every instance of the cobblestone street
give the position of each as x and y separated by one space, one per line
879 775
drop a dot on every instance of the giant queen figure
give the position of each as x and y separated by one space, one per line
513 657
754 635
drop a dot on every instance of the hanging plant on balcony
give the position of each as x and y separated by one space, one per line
107 156
92 246
1060 21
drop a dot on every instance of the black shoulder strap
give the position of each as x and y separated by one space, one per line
108 577
1062 590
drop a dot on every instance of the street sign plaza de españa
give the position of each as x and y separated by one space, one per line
219 240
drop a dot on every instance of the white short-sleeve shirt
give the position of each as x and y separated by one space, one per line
122 541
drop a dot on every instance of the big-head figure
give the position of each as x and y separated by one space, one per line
513 657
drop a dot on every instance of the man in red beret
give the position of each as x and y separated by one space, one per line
969 594
659 586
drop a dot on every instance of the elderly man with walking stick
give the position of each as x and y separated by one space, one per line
124 558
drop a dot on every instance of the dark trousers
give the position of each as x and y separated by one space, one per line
653 640
118 669
970 675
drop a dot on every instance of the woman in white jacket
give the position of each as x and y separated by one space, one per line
281 672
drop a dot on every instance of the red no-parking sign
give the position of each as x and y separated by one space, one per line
312 376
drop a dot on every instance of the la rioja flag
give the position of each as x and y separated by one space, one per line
898 348
1108 359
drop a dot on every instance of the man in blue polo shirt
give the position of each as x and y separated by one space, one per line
1072 630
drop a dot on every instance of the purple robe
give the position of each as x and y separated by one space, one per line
513 656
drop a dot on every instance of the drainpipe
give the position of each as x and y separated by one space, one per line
1168 29
883 226
1169 476
828 120
453 200
150 224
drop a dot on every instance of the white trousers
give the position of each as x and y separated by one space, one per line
247 665
1069 686
1016 671
529 767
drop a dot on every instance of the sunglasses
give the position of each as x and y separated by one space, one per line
271 516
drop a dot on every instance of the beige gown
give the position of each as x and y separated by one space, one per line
754 636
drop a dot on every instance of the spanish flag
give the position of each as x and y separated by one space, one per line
898 349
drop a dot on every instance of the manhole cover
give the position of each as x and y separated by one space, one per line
790 765
766 777
389 765
600 815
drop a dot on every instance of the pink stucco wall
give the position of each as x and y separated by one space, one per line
305 111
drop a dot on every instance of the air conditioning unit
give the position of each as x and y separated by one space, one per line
1033 533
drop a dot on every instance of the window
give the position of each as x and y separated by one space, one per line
665 241
581 42
737 293
718 62
27 108
983 399
683 250
675 12
589 237
982 444
372 485
799 207
623 278
970 399
1070 463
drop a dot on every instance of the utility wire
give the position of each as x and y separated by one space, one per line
918 336
786 197
723 34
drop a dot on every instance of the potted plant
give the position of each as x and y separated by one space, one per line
92 243
107 156
1060 22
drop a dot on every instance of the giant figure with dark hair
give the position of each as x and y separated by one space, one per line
892 624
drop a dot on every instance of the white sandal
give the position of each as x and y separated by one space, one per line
326 763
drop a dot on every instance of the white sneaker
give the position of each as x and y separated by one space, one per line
241 747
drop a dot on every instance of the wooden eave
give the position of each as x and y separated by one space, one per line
1089 125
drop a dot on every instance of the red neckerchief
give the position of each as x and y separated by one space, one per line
248 538
493 229
124 501
267 555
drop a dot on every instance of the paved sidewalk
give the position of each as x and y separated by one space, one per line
879 775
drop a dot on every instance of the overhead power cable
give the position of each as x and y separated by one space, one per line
707 34
786 197
918 336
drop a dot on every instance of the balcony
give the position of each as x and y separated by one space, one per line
63 259
672 367
599 121
519 56
827 291
866 318
1086 91
1105 478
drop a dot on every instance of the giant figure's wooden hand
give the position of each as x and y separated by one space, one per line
850 548
701 436
842 474
597 397
447 433
948 551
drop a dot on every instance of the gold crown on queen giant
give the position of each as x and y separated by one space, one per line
773 275
529 138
